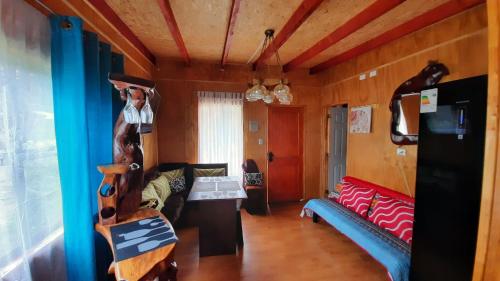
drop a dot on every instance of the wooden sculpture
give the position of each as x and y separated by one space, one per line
107 192
125 178
127 150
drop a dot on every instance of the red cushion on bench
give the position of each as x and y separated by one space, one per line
356 198
380 189
393 215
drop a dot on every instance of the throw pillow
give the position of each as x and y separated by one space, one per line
393 215
162 187
178 184
176 180
150 198
254 179
335 194
356 198
217 172
170 175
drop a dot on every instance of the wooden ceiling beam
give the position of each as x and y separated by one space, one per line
104 9
235 8
168 14
439 13
305 9
375 10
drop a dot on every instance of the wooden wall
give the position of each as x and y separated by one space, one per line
488 245
460 42
177 131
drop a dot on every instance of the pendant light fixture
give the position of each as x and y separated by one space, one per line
267 93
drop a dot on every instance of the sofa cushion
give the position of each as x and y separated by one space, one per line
150 198
380 189
216 172
178 185
162 187
393 215
253 179
337 189
176 180
357 199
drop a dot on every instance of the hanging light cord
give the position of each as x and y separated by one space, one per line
250 60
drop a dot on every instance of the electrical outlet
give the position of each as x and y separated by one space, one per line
401 151
373 73
362 76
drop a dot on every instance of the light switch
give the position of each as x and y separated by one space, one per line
261 141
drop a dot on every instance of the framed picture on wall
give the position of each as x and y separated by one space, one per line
360 120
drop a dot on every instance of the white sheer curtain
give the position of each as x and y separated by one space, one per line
220 129
30 194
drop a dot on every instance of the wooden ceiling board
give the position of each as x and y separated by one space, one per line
104 9
397 16
171 22
328 17
235 8
306 8
146 21
255 17
203 25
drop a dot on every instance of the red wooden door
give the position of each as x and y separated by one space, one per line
285 163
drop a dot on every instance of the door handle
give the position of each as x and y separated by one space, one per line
270 156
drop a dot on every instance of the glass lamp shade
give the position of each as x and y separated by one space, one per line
281 90
286 100
249 95
269 98
256 92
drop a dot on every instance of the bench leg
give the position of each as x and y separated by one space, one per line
315 218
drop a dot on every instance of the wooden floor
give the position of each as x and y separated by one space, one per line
281 246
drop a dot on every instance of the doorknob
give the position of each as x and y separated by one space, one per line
270 156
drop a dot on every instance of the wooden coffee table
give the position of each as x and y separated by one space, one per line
220 229
159 262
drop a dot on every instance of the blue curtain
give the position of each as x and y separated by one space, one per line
70 113
83 108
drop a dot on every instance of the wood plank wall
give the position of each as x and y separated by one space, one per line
488 246
177 134
460 42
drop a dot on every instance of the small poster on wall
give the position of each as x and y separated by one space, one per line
360 119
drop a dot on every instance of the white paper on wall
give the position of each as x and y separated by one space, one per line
360 119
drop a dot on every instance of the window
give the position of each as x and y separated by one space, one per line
30 194
220 127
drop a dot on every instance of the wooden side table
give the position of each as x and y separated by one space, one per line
156 263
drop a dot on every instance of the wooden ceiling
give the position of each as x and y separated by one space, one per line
311 33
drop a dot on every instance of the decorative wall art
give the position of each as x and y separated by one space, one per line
360 119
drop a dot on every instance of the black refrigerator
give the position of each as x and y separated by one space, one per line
449 177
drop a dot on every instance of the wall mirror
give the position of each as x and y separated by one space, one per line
405 114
